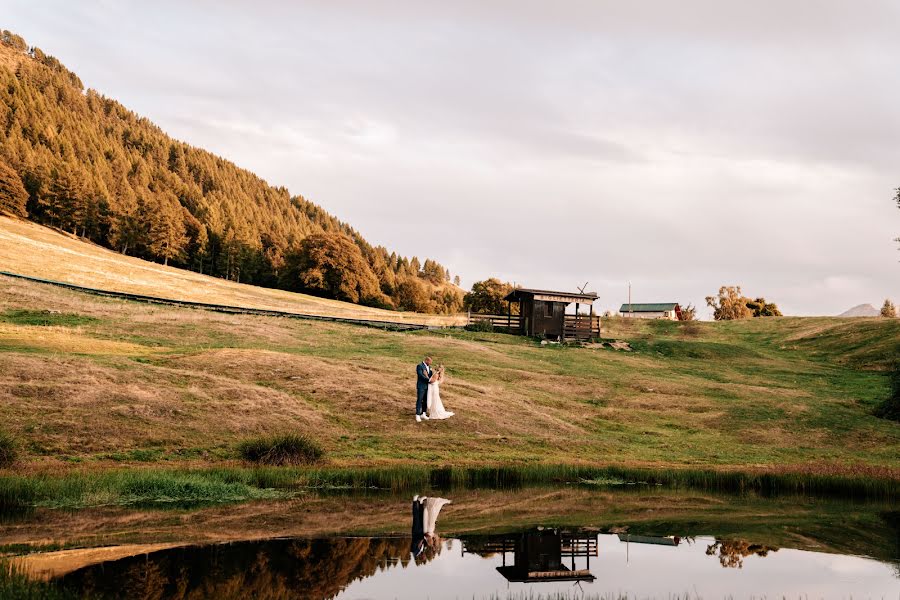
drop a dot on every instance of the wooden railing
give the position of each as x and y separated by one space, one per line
581 327
509 322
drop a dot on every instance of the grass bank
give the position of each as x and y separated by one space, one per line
198 487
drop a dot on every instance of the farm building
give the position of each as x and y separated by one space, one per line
542 313
659 310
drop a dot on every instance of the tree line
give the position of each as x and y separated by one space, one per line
76 160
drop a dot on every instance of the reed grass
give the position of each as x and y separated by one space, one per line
9 450
16 585
189 488
137 488
283 449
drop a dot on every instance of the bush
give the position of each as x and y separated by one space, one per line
9 450
483 326
287 449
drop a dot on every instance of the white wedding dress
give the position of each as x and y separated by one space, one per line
433 508
435 406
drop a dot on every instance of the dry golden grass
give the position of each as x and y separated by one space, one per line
30 249
141 383
65 341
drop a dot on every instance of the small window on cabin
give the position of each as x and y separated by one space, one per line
548 309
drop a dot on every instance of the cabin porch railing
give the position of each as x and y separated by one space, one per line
581 327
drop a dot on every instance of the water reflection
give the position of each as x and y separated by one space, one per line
733 552
425 513
537 555
433 554
536 561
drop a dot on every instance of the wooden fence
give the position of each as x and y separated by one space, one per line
511 323
581 327
575 327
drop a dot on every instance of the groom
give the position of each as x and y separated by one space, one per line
423 376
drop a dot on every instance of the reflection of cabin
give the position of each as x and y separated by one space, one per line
659 310
542 313
654 540
539 554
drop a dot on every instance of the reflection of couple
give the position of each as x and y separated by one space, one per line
428 392
425 511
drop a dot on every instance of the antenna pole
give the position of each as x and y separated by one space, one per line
630 310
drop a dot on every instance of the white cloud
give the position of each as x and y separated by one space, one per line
679 145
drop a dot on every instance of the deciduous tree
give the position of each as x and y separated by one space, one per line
330 264
412 295
487 297
761 308
729 305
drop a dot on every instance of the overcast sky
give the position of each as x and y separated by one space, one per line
678 145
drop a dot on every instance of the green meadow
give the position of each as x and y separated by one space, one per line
93 385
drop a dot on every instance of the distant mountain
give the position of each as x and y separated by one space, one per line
92 167
863 310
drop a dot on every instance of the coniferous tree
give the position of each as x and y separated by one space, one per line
92 167
166 235
13 197
64 203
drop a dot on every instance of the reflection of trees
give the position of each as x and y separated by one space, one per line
892 520
732 552
268 570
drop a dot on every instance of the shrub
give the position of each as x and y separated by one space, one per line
9 450
688 313
483 326
286 449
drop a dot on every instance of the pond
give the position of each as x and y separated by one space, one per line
530 543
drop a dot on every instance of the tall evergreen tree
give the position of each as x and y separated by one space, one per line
166 235
13 196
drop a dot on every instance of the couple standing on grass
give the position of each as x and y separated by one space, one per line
428 392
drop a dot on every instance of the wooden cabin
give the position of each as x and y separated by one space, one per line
542 313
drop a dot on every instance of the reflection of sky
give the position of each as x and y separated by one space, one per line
644 571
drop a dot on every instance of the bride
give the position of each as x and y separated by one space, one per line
435 406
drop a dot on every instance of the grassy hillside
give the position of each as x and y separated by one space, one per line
30 249
100 382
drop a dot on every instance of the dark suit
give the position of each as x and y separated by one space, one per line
423 376
418 528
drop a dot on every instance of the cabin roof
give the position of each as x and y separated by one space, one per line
553 296
652 307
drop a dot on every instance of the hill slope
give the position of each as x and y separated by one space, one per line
861 310
90 166
99 382
30 249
